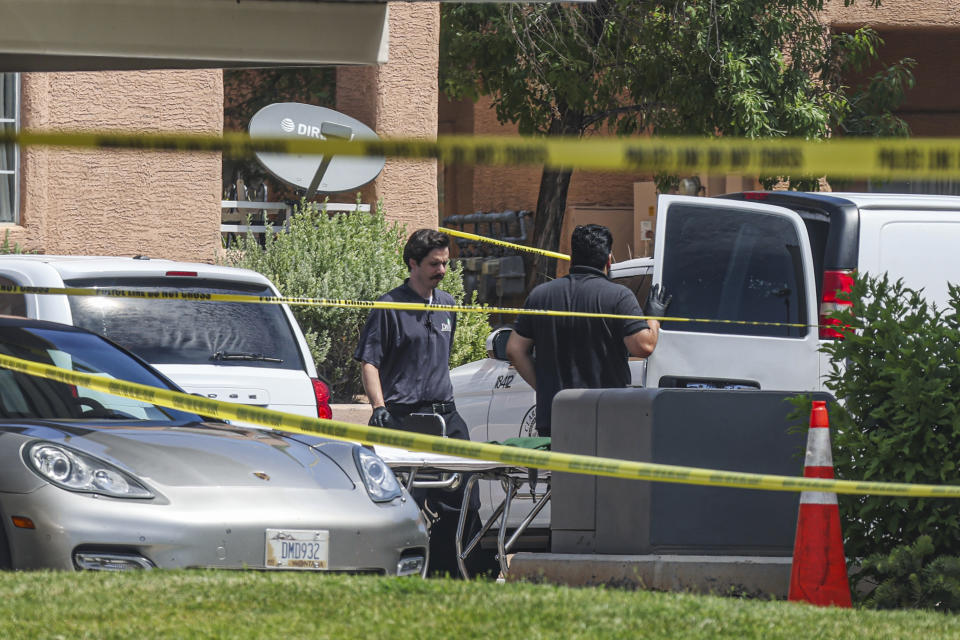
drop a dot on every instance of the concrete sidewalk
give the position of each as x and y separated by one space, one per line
357 413
720 575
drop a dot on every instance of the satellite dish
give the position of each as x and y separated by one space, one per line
314 173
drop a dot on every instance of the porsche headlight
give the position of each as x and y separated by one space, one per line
378 478
81 472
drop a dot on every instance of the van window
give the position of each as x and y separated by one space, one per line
729 264
188 332
12 304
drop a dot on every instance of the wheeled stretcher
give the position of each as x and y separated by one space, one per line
434 470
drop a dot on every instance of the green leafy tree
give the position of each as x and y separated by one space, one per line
753 68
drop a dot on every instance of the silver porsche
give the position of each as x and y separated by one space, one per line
94 481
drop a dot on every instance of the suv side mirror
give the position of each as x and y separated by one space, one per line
497 343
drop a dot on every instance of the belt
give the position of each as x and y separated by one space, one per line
441 407
434 407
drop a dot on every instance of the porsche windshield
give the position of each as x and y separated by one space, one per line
23 396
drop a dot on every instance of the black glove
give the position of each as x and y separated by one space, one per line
657 302
381 418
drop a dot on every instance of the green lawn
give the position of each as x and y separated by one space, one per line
206 604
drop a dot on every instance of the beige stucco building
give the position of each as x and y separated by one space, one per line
117 202
168 204
164 204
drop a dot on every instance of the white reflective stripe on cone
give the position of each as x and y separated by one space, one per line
818 448
818 497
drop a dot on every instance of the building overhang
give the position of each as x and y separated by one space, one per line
78 35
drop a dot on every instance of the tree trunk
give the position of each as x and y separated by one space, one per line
552 202
548 221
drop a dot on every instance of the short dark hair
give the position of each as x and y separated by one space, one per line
590 245
421 243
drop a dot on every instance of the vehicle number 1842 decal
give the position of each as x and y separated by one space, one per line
503 382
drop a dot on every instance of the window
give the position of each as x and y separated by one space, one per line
734 265
9 153
942 187
188 332
12 304
23 396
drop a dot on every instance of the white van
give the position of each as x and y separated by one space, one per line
781 257
238 352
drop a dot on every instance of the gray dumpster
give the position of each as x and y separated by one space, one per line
733 430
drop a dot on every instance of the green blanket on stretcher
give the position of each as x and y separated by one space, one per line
525 443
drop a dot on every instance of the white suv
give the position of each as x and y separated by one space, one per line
238 352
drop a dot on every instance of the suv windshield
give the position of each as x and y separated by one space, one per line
186 331
26 396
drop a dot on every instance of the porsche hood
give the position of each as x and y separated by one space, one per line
203 454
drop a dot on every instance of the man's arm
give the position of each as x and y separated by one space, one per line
642 343
519 351
370 376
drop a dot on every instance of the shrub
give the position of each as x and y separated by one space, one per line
470 340
911 576
347 256
6 248
897 377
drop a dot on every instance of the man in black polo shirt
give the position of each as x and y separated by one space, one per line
582 353
405 367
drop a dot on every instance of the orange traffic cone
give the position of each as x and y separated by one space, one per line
819 573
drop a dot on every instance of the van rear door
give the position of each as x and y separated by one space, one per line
743 276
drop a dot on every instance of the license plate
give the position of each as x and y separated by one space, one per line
297 549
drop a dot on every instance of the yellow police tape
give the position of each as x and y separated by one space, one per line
359 304
842 158
511 456
501 243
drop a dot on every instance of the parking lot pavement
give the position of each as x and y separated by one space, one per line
358 413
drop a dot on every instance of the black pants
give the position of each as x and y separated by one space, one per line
443 507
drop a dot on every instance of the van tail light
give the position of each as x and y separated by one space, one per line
182 274
322 393
755 195
834 282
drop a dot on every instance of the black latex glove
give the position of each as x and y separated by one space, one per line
657 302
381 418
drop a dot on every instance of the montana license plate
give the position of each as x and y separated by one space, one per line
297 549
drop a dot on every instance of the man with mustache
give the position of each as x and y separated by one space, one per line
405 368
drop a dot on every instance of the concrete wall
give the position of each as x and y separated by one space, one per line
925 31
100 202
894 14
932 107
398 99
